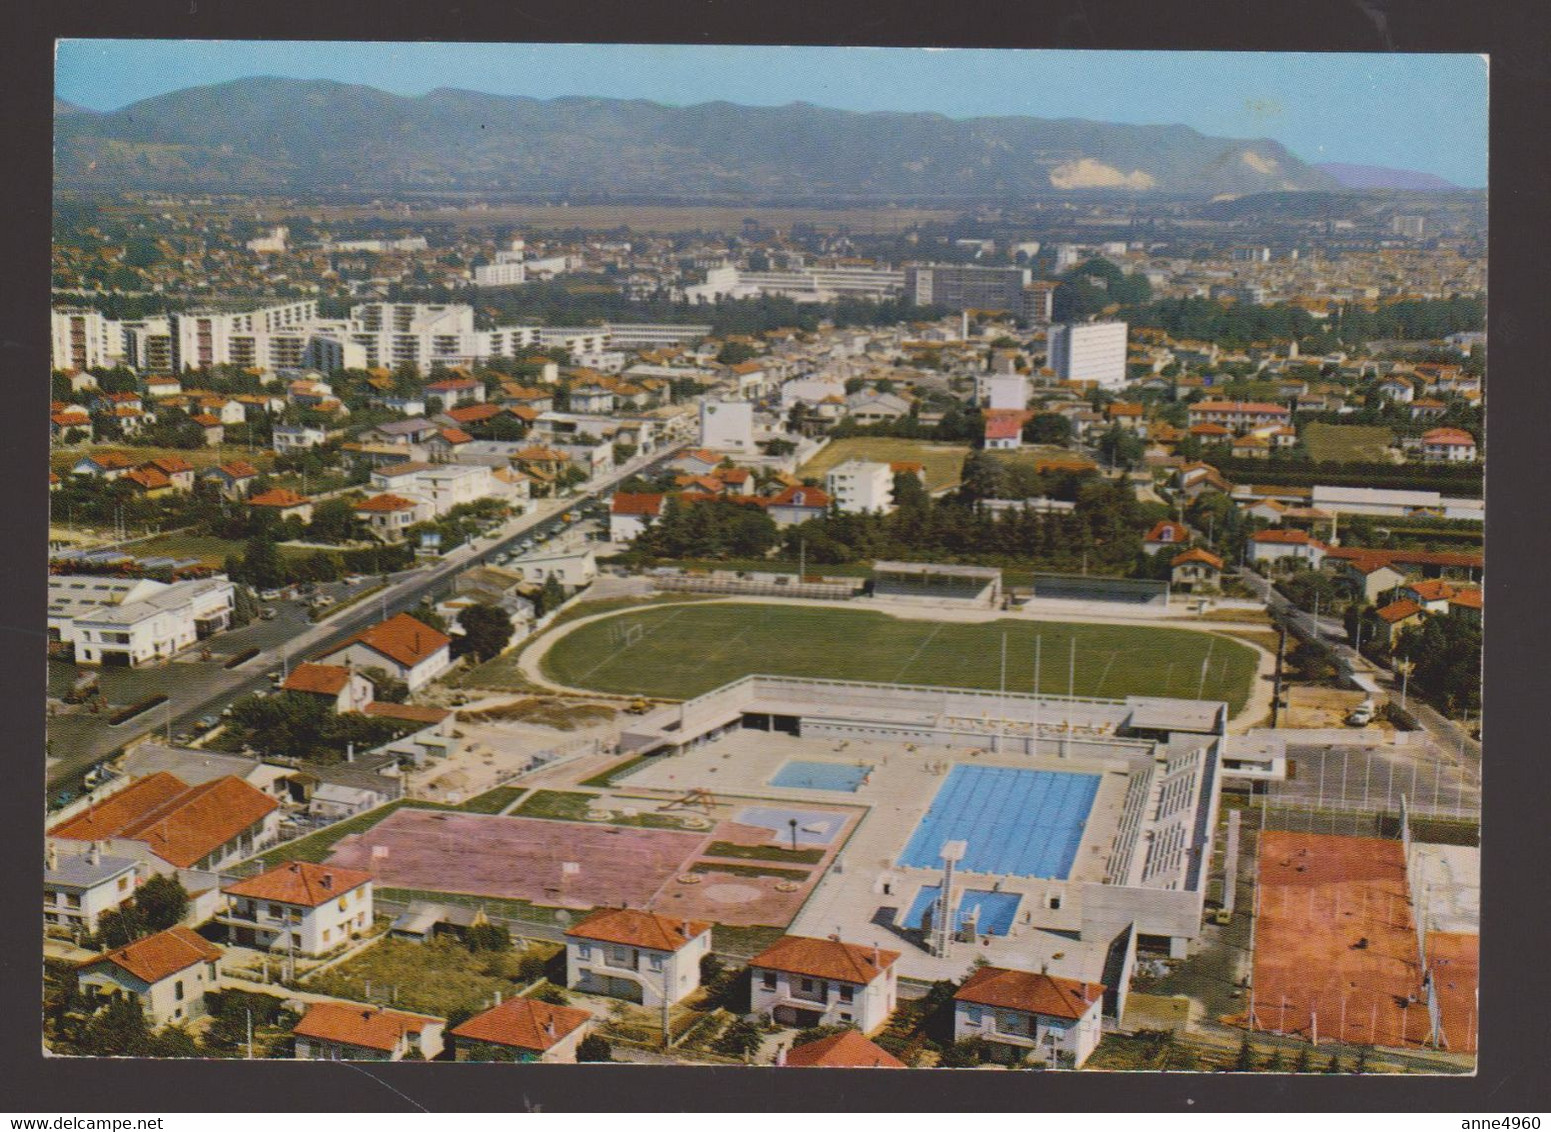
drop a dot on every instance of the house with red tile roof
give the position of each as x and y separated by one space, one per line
635 955
408 649
1004 428
1398 615
1238 415
235 477
802 981
1282 546
299 906
343 687
179 472
1448 446
845 1050
283 503
1024 1016
797 504
1166 535
389 514
453 391
1196 571
104 465
166 974
349 1031
631 511
522 1029
168 824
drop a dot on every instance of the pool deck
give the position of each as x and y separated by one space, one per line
901 788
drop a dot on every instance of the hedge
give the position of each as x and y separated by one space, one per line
127 713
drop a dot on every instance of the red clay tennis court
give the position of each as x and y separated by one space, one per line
1336 949
569 864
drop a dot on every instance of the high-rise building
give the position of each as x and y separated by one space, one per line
959 286
1089 351
1039 302
861 487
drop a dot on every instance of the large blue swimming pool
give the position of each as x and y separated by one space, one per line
995 909
1017 822
821 776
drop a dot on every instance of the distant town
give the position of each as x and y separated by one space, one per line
1035 635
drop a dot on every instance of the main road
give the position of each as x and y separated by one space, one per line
78 743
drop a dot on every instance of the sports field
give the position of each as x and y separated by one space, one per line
942 461
684 651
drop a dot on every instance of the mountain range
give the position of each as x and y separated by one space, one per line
1382 177
271 134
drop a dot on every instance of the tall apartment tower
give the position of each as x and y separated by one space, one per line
1089 351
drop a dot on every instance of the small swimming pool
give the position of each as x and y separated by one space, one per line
813 828
994 911
801 775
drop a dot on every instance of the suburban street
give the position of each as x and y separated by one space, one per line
204 687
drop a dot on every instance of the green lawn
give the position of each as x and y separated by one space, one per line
690 650
1343 443
493 801
432 978
943 461
211 550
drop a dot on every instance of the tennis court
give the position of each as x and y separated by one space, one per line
801 775
993 911
1016 822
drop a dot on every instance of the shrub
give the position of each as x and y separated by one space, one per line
594 1047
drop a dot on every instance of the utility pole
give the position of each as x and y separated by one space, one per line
1281 652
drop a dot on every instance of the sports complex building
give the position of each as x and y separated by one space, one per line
1041 833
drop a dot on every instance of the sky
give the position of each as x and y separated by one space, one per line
1422 112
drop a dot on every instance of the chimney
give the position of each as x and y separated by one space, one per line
876 959
328 880
684 929
51 856
1044 968
549 1027
498 998
94 853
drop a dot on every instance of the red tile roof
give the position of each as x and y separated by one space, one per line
410 713
1292 538
800 496
1262 407
1197 555
160 956
455 436
525 1023
1166 531
1003 426
111 461
1400 610
825 959
1049 995
278 497
370 1027
300 882
171 465
635 928
151 479
205 420
845 1050
386 502
238 469
401 639
636 503
1467 599
178 822
1448 436
319 679
472 414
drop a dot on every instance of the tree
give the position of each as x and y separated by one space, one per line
966 1053
334 520
1047 428
594 1048
734 353
162 902
487 630
551 596
740 1039
1245 1061
261 565
245 605
981 477
386 687
426 614
119 927
488 937
1302 1064
117 1030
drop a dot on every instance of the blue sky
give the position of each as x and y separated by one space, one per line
1424 112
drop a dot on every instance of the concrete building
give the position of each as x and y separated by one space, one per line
1029 1017
299 907
804 982
125 622
1089 351
1003 391
727 426
960 286
638 956
347 1031
572 568
806 285
167 975
861 487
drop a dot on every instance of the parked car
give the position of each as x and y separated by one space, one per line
269 613
1362 715
269 595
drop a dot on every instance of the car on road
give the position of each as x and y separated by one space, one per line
353 579
269 613
269 595
324 600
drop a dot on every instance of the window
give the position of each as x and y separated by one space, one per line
584 951
177 990
769 980
342 900
655 962
973 1015
847 993
123 883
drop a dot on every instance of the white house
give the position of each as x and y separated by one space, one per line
635 955
631 511
573 568
345 1031
1448 445
289 437
167 974
1026 1017
522 1029
804 982
797 504
299 906
408 649
1166 535
860 487
79 887
1276 545
345 688
389 514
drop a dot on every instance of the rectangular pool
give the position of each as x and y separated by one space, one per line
994 910
813 828
801 775
1016 822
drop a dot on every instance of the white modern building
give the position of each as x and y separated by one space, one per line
1003 391
805 982
126 622
1089 351
727 426
806 285
299 907
635 955
861 487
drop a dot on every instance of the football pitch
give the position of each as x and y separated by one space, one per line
683 651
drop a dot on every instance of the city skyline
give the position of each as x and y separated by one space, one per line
1324 108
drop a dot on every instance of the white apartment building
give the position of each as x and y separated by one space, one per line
299 907
807 285
647 335
860 487
85 339
1029 1017
1003 391
78 887
804 982
638 956
1089 351
127 621
501 274
727 426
